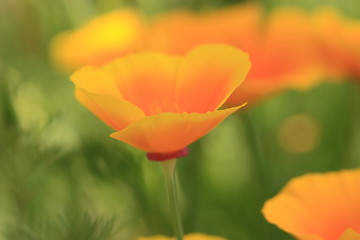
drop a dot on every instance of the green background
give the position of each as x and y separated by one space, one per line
62 177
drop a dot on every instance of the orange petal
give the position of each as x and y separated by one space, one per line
100 40
341 54
168 132
95 80
166 34
288 53
317 205
147 80
229 25
116 113
208 75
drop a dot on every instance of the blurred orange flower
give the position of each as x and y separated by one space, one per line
218 26
98 41
339 39
281 46
161 103
192 236
318 206
284 56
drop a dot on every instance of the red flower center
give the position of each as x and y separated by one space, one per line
154 156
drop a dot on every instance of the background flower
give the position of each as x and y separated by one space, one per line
280 44
341 54
100 40
318 206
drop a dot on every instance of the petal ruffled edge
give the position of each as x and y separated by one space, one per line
169 132
146 79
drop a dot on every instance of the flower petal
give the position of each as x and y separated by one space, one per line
100 40
147 80
290 52
116 113
95 80
208 75
168 132
322 205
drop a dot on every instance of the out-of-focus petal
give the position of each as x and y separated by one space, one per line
339 39
208 75
317 206
229 25
168 31
116 113
100 40
281 45
284 57
328 24
169 132
147 80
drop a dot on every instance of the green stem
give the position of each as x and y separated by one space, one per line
168 167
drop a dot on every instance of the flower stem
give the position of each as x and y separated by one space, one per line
168 167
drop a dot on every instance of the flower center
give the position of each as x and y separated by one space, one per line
169 155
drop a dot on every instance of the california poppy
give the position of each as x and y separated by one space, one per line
318 206
341 54
98 41
281 45
284 56
161 103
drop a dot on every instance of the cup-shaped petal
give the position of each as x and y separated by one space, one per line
147 80
161 103
198 82
208 75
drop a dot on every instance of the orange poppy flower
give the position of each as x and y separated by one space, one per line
100 40
161 103
281 46
222 26
192 236
318 206
339 39
283 54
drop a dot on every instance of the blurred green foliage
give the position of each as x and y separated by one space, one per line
62 177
